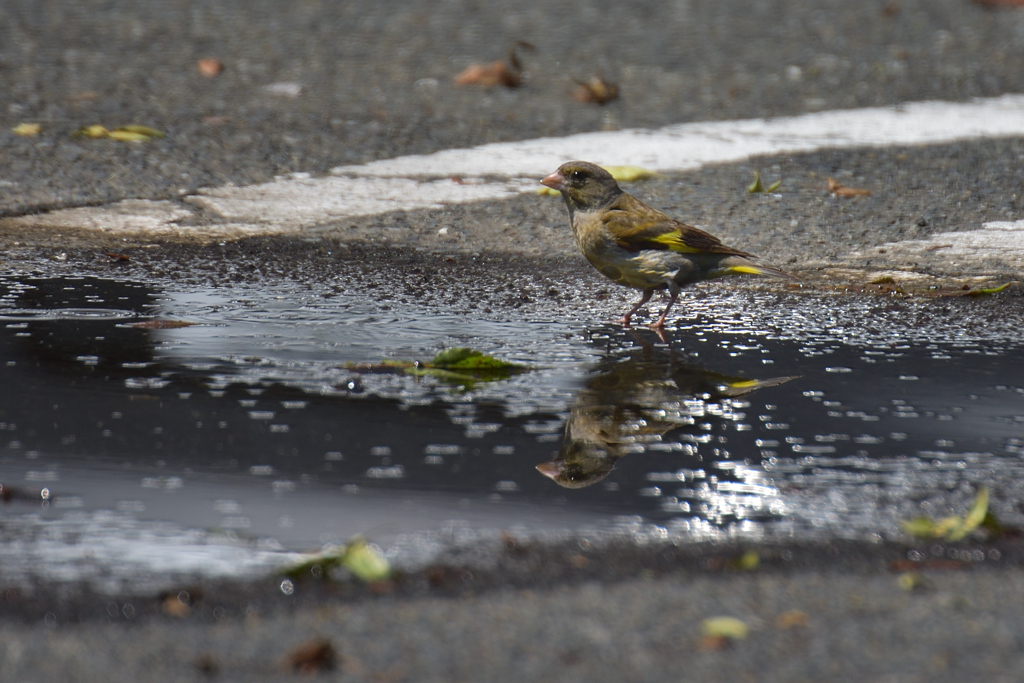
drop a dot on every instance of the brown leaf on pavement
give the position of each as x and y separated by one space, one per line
508 74
210 67
313 657
596 90
835 189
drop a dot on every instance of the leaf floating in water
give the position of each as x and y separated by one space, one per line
982 291
456 366
161 324
954 527
363 560
366 561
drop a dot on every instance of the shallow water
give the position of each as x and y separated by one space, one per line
131 447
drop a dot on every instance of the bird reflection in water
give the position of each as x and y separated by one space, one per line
632 402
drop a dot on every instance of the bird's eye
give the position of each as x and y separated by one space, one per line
576 175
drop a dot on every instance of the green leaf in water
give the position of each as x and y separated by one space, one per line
366 561
982 291
954 527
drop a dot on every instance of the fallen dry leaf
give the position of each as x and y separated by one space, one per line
313 657
508 74
174 606
913 581
117 257
207 664
835 189
209 67
725 627
142 130
95 131
596 90
792 619
131 133
27 129
890 9
489 75
713 643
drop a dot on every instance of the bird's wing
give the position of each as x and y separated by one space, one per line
636 226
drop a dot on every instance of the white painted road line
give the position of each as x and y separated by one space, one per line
503 170
692 145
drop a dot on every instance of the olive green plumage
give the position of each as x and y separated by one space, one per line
640 247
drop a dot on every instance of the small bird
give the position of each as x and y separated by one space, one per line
630 403
638 246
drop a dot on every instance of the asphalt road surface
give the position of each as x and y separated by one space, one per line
357 82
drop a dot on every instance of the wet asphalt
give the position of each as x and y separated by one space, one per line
376 81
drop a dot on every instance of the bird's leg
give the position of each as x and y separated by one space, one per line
659 324
644 299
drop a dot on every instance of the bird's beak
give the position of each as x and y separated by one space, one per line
552 469
556 181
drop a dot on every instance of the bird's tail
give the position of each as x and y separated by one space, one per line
754 269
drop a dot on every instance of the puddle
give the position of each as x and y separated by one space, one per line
222 446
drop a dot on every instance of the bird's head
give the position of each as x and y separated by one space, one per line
585 186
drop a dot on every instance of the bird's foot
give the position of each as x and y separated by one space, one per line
624 320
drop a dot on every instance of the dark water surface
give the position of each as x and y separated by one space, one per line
218 446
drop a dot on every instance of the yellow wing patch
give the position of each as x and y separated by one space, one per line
674 241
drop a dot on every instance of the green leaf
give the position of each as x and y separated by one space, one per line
747 562
756 186
922 527
468 359
143 130
982 291
359 557
725 627
629 173
974 517
366 561
954 528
